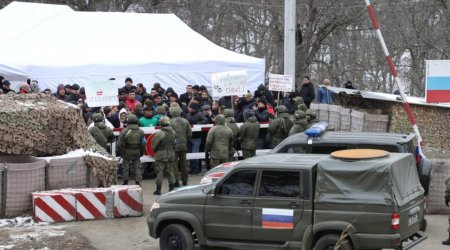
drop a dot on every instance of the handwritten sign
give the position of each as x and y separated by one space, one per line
229 83
99 94
283 83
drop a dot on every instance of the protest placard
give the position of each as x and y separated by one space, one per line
229 83
102 93
283 83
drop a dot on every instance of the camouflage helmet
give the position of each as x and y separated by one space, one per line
298 100
281 109
164 121
299 114
302 107
220 120
97 117
228 113
132 119
311 113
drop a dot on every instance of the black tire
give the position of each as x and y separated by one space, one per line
328 241
176 237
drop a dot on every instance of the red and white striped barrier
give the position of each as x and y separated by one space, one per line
128 201
93 203
54 207
88 204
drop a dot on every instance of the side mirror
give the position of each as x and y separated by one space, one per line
210 190
213 191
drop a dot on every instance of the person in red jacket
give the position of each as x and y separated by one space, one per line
131 100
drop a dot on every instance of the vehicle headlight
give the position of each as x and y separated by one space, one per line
154 206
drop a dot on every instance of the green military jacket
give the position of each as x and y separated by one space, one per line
279 129
299 126
182 129
163 143
130 142
218 142
249 134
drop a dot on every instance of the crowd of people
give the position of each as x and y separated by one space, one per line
175 114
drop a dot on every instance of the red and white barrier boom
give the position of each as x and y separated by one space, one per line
395 74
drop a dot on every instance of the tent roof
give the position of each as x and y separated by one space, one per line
110 44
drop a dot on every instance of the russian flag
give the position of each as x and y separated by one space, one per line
438 89
277 218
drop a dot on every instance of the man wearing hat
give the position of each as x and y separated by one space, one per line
348 85
157 86
208 113
74 95
128 85
68 89
261 113
6 87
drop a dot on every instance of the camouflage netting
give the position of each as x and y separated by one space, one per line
39 125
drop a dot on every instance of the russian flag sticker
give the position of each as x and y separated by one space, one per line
277 218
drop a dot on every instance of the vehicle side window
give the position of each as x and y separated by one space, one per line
280 184
326 149
298 149
240 183
389 148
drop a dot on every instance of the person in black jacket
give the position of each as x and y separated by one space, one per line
307 91
195 117
261 113
186 97
288 102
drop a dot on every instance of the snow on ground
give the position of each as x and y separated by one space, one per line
25 233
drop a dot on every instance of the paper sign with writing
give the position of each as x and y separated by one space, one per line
229 83
99 94
283 83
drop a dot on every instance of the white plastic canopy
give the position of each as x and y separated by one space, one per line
54 44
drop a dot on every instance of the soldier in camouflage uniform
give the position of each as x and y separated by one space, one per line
298 100
231 123
184 133
163 143
131 147
101 133
280 127
218 142
249 134
302 107
447 200
311 118
300 122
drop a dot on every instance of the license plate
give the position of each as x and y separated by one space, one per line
413 219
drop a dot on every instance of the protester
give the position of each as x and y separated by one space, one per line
74 96
128 86
123 118
47 92
348 85
307 91
24 88
195 117
146 119
206 109
288 102
187 96
261 113
160 90
6 87
131 100
324 95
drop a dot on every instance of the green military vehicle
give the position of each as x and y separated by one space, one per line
298 201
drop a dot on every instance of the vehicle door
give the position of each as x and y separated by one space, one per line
278 206
228 211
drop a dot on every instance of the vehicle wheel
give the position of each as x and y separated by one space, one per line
328 242
176 237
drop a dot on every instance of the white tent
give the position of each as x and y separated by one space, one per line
54 44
